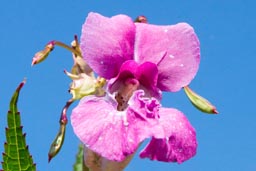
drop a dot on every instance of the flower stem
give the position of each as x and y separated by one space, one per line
67 47
63 116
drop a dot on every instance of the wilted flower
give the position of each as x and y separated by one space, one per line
140 61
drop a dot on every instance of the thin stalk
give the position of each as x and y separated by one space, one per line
67 47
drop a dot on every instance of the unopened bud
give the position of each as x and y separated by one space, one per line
199 102
42 55
141 19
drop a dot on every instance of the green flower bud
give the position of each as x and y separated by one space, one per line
199 102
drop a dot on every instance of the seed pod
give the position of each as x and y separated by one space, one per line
57 143
199 102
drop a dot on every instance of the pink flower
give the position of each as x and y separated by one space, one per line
140 60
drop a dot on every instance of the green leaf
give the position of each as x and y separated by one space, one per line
79 164
16 156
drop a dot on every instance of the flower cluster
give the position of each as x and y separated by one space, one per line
139 61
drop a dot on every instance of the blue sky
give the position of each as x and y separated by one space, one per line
226 30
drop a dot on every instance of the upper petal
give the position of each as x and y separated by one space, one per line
179 141
175 49
107 42
127 70
146 73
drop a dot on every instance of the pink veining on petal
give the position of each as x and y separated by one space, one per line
107 42
175 49
179 141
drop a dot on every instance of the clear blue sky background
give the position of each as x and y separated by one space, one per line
226 30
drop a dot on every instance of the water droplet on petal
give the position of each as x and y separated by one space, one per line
181 124
171 56
126 123
130 140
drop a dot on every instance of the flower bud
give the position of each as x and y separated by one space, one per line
42 55
199 102
141 19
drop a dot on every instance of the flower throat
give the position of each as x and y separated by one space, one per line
125 92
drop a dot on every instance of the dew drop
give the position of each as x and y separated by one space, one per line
181 124
126 123
171 56
130 140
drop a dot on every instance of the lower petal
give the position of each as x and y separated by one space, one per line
101 128
114 134
179 143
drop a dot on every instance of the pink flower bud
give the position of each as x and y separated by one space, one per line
42 55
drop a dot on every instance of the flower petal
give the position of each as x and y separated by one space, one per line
175 49
107 42
127 70
111 133
145 73
180 142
